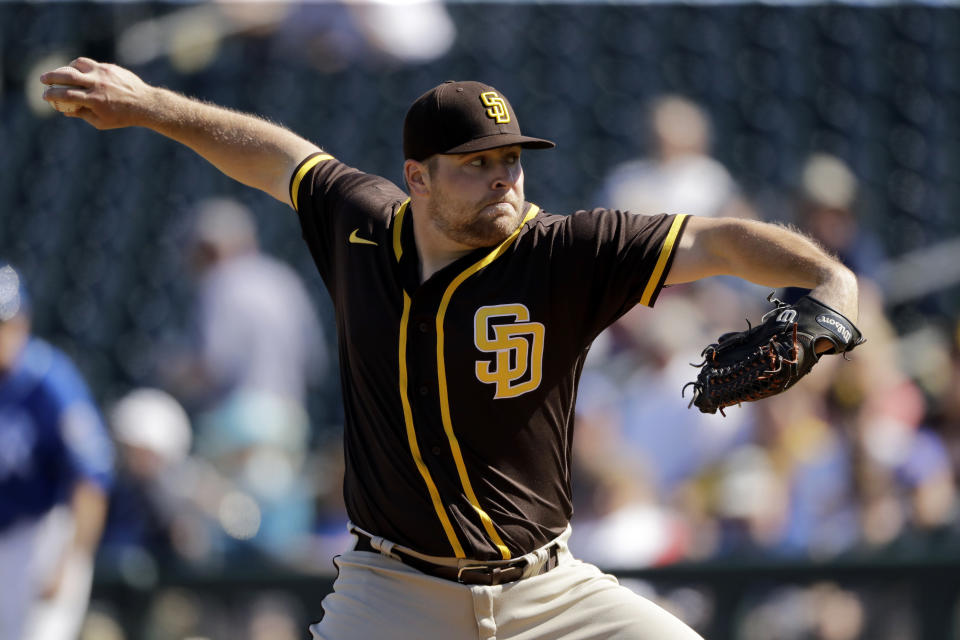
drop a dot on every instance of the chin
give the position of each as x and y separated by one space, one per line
502 209
499 230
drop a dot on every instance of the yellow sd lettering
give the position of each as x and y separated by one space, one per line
497 107
518 345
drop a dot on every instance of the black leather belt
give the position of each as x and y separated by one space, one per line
476 574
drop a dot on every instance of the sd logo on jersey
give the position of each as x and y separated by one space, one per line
518 345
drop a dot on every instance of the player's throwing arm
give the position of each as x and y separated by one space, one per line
247 148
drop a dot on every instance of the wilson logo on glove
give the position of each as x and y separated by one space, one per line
837 326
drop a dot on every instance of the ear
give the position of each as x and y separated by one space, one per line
417 176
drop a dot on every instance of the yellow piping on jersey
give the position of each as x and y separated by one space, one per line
301 172
412 435
665 252
398 228
444 399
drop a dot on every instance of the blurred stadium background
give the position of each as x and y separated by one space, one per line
97 223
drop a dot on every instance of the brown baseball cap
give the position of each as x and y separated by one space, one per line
462 117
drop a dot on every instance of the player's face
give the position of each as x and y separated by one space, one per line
476 199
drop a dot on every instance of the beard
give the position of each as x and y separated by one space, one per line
476 226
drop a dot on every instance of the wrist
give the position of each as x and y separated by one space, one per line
152 107
839 290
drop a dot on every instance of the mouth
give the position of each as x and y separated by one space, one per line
499 205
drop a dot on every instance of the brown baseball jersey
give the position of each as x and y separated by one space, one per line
459 391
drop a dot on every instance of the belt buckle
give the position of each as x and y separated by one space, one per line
473 567
493 575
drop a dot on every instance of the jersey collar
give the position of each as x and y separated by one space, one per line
405 251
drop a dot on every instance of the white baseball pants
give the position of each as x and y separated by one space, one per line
376 596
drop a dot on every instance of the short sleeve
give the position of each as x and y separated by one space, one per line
625 258
86 443
332 198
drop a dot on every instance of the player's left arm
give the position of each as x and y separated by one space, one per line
88 504
88 457
763 253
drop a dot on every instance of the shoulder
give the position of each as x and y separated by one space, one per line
324 177
45 380
55 371
597 223
79 422
38 362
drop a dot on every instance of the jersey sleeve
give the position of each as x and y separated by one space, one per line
626 257
331 199
87 446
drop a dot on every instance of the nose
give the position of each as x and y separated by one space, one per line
505 176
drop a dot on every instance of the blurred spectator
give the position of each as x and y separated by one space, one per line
947 409
668 342
258 348
824 611
634 451
828 212
339 34
842 462
652 352
750 502
255 327
153 435
331 36
170 505
177 613
903 477
56 466
101 624
621 522
903 473
810 457
679 176
166 504
274 616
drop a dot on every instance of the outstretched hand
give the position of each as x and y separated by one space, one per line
247 148
106 96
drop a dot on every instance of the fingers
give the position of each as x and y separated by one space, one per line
84 64
64 92
67 75
69 85
75 73
104 95
65 98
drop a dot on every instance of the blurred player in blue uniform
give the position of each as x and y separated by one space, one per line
56 466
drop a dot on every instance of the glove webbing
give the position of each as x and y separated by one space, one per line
761 374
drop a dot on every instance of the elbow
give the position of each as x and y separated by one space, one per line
708 247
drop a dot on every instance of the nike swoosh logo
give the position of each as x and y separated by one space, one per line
355 239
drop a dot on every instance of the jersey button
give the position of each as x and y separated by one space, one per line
424 327
423 390
436 450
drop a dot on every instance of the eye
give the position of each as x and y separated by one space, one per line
477 162
513 158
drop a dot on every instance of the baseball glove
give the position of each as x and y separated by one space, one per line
743 366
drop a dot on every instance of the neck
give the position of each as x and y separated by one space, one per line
434 249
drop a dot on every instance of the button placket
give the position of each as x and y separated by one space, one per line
422 366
